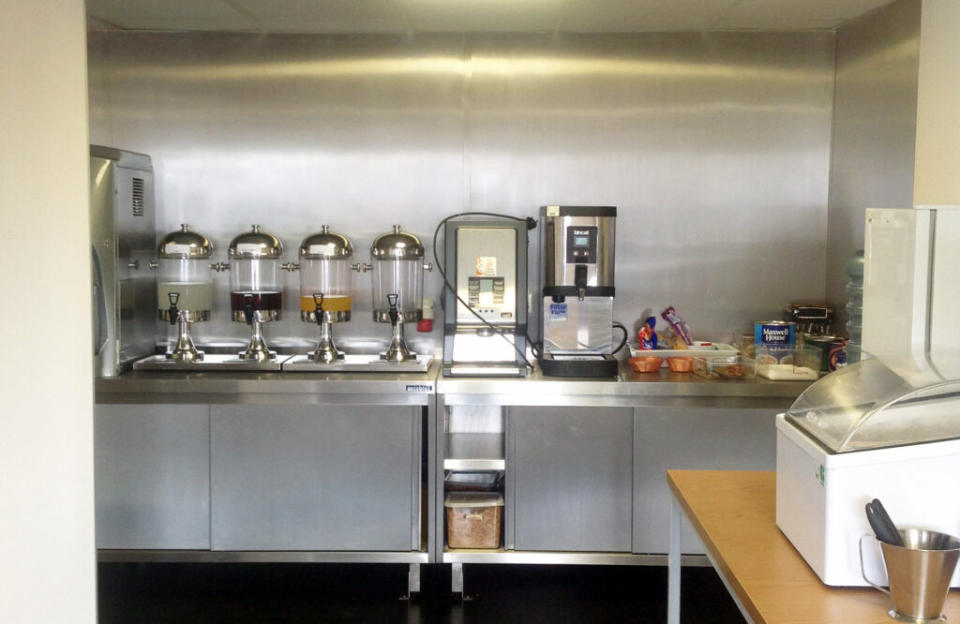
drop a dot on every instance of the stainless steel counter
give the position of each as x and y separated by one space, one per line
664 388
210 426
254 387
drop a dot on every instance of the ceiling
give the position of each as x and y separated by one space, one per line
413 16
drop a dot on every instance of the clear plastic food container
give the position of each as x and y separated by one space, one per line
799 364
731 367
473 519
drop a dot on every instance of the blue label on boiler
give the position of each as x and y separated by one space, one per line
558 311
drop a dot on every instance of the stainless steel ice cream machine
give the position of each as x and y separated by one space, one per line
185 297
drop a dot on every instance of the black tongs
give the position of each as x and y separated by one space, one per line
882 525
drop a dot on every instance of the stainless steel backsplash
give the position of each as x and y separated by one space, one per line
874 128
714 146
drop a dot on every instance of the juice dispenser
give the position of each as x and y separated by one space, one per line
397 287
325 287
184 287
255 293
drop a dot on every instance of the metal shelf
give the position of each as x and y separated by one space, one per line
559 558
261 556
474 451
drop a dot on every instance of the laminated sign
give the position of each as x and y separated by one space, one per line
486 266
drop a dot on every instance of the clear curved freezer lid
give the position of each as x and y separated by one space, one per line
881 403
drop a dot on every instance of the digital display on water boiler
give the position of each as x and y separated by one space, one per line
581 244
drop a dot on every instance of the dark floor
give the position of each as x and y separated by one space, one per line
503 594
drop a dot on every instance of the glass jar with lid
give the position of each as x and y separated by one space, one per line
325 269
255 275
397 270
256 296
184 271
184 287
397 259
325 287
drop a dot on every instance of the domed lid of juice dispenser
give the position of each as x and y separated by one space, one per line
396 244
255 244
326 245
184 244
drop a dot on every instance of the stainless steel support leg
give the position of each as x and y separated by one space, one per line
456 580
413 580
673 563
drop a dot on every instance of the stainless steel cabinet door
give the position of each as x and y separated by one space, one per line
152 467
571 475
322 477
691 439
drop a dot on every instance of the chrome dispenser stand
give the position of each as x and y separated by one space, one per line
397 351
185 351
257 348
326 350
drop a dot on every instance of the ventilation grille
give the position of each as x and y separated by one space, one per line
138 197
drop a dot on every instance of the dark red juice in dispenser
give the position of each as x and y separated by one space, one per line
260 300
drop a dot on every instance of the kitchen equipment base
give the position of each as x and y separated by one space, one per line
210 362
358 364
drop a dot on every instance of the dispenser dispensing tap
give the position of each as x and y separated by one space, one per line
394 313
318 302
173 312
326 351
580 280
249 312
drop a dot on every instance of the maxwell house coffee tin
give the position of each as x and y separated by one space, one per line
774 341
775 333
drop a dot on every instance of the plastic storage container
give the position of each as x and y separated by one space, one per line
733 367
876 404
473 519
803 364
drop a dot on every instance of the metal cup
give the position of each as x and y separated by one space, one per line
919 574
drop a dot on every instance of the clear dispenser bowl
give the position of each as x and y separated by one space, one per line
879 403
332 278
260 279
400 276
190 278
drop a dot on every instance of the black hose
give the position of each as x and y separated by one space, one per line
531 223
626 335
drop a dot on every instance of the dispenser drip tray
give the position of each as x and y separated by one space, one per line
358 364
210 361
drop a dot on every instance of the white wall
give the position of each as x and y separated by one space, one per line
47 556
938 99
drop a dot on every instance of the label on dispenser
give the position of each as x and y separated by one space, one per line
249 248
558 312
321 250
176 248
486 266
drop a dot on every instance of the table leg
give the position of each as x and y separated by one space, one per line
456 581
413 581
673 563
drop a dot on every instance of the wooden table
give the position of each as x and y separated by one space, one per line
734 515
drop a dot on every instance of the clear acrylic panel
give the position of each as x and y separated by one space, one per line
882 403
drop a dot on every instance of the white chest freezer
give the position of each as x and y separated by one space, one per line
875 429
